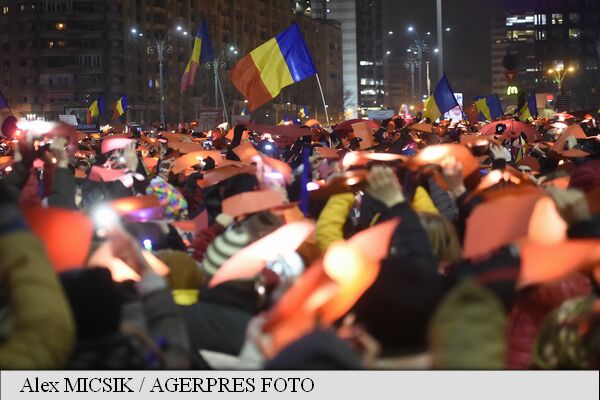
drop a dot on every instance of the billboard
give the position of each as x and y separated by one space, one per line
80 113
456 115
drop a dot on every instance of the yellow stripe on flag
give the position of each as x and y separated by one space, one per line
274 71
196 51
484 109
431 109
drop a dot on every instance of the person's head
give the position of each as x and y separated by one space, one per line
442 238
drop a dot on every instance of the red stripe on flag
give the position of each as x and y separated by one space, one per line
189 77
246 78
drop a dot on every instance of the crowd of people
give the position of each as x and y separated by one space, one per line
369 245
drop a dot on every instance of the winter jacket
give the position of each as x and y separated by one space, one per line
218 321
531 308
63 189
42 331
330 225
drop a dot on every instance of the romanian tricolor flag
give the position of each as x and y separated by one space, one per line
275 64
120 107
529 110
441 101
95 110
202 51
303 113
490 107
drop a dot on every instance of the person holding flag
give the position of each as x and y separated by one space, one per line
202 51
277 63
120 108
441 101
95 110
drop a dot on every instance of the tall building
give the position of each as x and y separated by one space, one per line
397 82
545 35
59 56
362 50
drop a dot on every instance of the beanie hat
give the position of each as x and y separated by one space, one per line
570 336
168 196
586 176
468 329
236 237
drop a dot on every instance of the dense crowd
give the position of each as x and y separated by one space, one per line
370 245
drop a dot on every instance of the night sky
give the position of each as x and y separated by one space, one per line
467 46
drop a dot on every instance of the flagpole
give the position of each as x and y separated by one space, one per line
324 103
222 97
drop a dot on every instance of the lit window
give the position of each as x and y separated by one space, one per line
541 35
60 26
574 33
5 10
540 19
519 19
557 19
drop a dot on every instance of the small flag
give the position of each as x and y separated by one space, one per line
202 51
3 102
275 64
529 110
244 111
303 113
522 149
441 101
95 110
490 107
120 107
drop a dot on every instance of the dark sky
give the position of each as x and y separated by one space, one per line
467 47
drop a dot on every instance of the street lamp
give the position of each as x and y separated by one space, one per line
159 45
420 47
559 72
412 62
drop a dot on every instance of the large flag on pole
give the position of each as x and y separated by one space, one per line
95 110
529 110
490 107
120 107
202 51
275 64
441 101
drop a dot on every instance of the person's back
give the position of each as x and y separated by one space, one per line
218 321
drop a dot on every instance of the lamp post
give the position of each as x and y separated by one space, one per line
420 47
559 72
412 62
219 63
440 37
160 46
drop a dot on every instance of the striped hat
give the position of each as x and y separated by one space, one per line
236 237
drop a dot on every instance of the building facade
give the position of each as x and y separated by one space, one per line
362 51
61 55
546 35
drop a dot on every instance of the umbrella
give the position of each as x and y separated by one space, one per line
513 130
505 219
542 263
189 160
345 127
426 128
289 131
252 202
563 116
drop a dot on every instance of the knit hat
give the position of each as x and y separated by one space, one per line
168 196
236 237
570 336
468 328
319 350
586 176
